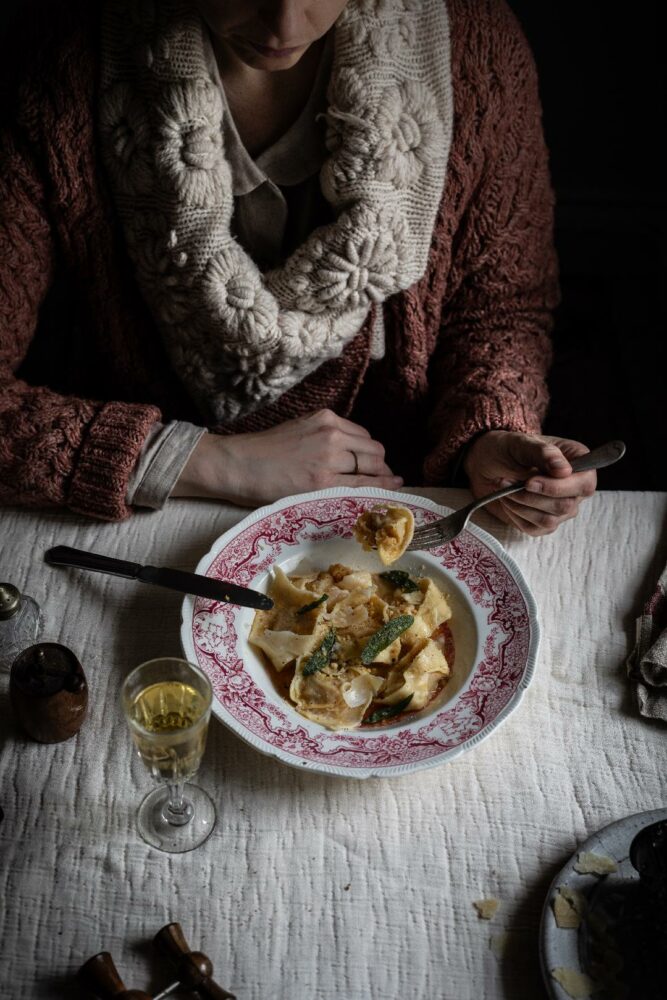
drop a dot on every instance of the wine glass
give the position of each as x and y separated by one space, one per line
167 704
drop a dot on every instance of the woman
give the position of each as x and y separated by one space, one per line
320 229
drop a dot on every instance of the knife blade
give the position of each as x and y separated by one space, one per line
161 576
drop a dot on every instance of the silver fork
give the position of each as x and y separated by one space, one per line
447 528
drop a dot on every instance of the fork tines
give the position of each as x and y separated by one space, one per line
426 538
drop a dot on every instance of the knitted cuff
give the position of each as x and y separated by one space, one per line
106 459
460 429
457 477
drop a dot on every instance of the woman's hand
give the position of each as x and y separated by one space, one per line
553 492
310 453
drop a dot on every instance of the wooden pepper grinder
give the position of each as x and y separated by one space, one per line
48 691
193 968
100 976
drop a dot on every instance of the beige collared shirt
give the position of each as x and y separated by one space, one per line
277 196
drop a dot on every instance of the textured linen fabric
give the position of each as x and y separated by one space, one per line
83 372
647 663
315 887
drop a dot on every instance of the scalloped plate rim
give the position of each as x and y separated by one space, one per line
399 770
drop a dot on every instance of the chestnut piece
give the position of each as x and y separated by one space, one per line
48 692
100 976
193 968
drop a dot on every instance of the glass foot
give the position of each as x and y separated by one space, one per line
178 833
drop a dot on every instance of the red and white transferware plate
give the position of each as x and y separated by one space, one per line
493 644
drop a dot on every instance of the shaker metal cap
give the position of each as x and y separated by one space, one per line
10 599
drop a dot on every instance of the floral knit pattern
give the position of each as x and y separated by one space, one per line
467 344
390 124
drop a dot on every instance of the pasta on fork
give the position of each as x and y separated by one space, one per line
387 529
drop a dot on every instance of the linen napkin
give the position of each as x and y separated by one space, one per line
647 663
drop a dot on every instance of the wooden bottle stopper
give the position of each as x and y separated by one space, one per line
193 969
100 976
48 691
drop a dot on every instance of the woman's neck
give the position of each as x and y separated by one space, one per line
264 104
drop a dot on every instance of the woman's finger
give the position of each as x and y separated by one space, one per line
525 452
543 519
371 465
503 513
528 527
360 457
369 455
361 463
564 507
579 484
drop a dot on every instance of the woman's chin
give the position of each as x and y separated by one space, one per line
268 60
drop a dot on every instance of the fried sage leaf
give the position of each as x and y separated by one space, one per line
312 605
322 655
384 637
400 580
389 711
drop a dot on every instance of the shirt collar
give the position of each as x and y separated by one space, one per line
294 156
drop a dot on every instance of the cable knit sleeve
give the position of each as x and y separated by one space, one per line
489 367
54 450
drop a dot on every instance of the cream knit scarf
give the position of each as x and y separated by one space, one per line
238 338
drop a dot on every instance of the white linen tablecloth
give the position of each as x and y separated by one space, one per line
313 887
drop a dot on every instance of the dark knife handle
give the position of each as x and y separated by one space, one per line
63 555
204 586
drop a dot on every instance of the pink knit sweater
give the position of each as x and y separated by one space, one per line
83 373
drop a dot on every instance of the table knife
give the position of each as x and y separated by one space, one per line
175 579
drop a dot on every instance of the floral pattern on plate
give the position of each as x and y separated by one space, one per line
495 634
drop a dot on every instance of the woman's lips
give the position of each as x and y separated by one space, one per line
272 53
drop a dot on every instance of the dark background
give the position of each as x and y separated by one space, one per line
602 85
602 88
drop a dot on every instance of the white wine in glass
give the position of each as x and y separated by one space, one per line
167 703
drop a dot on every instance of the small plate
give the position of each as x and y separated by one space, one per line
494 632
568 948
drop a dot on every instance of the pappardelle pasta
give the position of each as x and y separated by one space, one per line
359 647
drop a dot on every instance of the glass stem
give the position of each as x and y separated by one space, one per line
177 811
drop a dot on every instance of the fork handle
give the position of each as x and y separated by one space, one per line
600 457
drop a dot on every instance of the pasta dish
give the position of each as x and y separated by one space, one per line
357 647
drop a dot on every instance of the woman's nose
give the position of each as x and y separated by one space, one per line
285 19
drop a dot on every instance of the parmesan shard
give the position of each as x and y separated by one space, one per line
569 906
588 863
486 908
576 984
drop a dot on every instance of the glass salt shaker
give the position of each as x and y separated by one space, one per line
19 623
